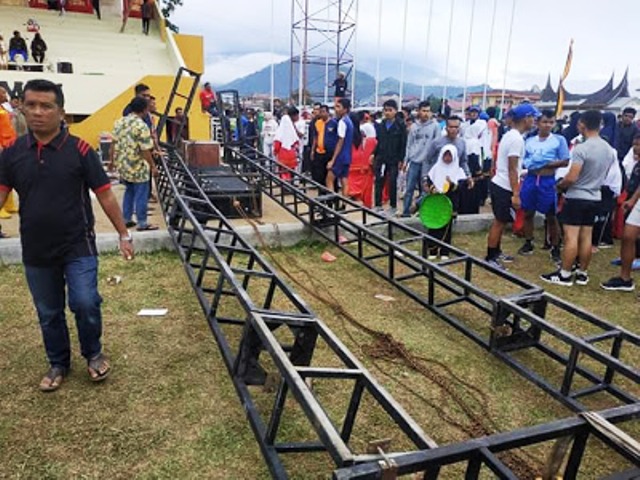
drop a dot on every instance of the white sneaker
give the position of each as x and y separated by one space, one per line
557 279
495 263
444 258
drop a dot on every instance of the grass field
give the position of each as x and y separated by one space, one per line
170 411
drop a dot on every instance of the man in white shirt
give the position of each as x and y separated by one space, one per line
505 185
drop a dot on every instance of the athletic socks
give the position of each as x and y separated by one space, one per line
565 274
493 253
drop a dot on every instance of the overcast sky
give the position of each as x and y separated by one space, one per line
238 38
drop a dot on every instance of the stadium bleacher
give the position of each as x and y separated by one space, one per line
103 60
93 46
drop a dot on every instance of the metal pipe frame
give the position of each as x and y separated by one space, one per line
514 322
220 265
475 454
221 268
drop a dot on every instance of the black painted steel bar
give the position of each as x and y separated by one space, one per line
473 451
214 251
202 256
222 267
515 321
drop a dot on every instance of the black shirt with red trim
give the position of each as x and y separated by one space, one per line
53 182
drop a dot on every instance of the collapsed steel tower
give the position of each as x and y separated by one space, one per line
265 330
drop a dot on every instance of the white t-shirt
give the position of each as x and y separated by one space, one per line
472 134
342 128
269 128
511 145
368 130
303 128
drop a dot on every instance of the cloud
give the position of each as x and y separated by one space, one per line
538 46
222 69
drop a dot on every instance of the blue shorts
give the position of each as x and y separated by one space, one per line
538 193
341 169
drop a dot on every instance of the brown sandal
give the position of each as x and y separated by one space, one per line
98 368
53 379
148 228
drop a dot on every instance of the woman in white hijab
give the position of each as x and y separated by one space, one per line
443 179
286 141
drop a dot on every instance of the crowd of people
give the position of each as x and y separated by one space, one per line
583 176
580 173
17 50
12 125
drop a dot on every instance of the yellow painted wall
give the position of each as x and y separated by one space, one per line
103 120
192 49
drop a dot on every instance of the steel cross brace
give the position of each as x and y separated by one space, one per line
486 451
214 248
222 269
515 320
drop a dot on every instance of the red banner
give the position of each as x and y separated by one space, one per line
133 7
83 6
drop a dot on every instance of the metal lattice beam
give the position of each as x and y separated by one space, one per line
247 306
514 310
223 268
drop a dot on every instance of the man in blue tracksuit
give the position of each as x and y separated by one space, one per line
544 154
338 166
423 132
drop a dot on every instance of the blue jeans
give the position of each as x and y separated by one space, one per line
47 285
13 52
413 181
136 198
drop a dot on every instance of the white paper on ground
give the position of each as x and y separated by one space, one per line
153 312
384 298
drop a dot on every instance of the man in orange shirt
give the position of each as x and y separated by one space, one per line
208 100
7 137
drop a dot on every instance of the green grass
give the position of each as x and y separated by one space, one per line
170 410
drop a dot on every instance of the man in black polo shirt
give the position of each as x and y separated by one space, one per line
52 171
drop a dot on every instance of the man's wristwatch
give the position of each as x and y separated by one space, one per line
128 238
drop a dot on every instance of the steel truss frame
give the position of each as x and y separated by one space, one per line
316 28
485 451
223 269
220 265
514 323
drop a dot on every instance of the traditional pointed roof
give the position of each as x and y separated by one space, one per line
548 94
601 99
604 92
598 99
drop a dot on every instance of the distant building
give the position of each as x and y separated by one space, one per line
511 97
610 98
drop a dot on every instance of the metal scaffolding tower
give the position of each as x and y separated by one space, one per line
322 44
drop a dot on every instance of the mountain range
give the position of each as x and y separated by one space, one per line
260 83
